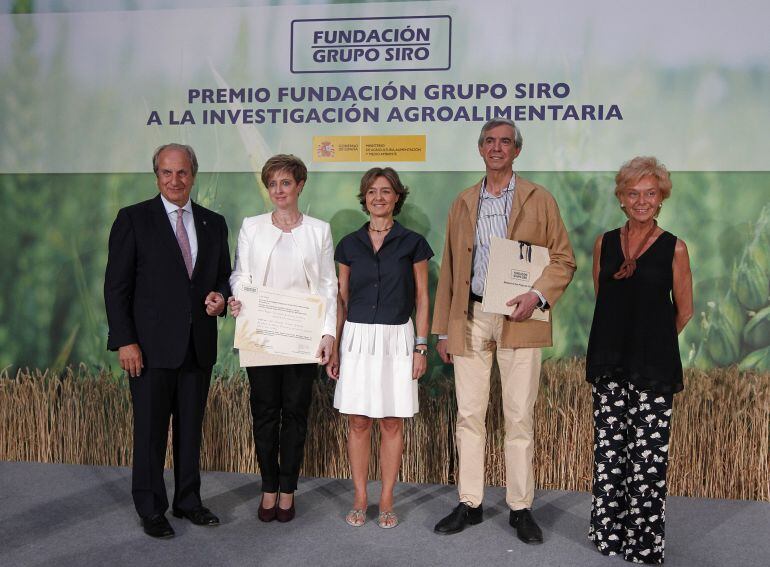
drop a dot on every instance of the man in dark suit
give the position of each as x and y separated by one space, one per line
166 281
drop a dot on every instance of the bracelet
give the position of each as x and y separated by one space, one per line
421 340
422 351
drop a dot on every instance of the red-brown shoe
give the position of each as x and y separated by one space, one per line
285 515
267 514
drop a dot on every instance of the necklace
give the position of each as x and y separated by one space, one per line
628 266
285 226
379 229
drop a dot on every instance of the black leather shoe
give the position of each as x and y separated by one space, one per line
526 528
463 515
200 516
157 526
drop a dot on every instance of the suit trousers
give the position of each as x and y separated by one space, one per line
157 395
280 400
520 378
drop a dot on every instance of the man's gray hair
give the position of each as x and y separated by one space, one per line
173 146
518 140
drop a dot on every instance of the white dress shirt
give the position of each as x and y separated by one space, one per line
187 219
284 268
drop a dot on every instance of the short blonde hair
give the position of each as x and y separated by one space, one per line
643 166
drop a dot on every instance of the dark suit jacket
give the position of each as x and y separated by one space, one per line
149 298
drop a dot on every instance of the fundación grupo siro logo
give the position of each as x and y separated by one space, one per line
345 45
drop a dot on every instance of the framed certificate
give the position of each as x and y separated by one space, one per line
513 268
278 326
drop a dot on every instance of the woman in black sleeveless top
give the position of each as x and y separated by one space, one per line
643 300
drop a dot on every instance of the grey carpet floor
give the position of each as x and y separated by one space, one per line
78 515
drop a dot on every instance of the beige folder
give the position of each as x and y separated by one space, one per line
512 270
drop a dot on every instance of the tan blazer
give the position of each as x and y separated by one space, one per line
536 219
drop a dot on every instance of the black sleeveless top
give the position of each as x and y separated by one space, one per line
633 334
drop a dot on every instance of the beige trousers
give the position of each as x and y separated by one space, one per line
520 378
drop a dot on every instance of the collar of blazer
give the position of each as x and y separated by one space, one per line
202 233
524 190
268 238
271 233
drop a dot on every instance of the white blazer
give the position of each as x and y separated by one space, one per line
258 237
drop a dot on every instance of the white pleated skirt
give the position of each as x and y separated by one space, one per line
376 371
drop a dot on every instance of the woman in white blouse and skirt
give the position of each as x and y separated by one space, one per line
286 250
383 277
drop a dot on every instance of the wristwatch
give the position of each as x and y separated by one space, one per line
422 351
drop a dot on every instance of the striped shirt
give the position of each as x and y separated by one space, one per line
492 220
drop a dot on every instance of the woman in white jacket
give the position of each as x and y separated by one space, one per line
284 249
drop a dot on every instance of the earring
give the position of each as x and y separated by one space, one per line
660 205
622 206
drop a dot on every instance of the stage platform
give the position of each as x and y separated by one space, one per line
63 515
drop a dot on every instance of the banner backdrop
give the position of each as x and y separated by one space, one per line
590 83
88 95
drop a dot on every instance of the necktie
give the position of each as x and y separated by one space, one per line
184 242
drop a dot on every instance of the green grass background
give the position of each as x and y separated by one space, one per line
54 230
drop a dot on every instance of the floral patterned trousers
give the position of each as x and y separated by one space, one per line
631 433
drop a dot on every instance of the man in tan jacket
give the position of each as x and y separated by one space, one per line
505 205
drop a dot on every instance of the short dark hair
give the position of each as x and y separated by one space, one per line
390 174
284 162
174 146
